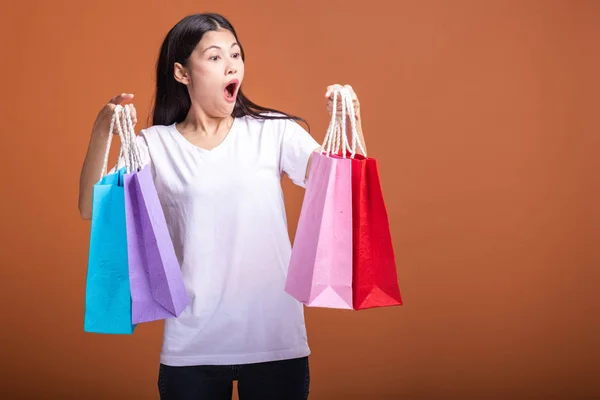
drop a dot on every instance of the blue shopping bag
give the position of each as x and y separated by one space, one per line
107 294
107 291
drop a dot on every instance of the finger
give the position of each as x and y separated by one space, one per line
336 87
118 99
340 109
133 115
331 89
352 92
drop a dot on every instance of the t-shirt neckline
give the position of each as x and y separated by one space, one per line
223 144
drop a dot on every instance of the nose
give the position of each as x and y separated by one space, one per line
231 69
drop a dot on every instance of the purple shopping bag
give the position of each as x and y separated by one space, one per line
320 269
157 288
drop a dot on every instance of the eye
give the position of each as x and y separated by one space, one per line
236 55
214 58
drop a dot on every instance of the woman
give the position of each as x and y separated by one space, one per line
217 160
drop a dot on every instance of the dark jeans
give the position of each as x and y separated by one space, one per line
276 380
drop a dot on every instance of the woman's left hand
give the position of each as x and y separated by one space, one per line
329 100
356 105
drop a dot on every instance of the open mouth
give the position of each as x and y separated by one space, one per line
231 89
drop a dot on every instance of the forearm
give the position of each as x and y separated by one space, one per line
91 171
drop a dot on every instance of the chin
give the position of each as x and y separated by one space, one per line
227 111
221 110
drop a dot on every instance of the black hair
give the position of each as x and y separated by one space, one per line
172 100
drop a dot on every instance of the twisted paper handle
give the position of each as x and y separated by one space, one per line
130 137
121 119
335 137
114 121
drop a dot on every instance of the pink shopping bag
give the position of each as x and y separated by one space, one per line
320 269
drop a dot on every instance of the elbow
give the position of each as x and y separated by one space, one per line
84 204
85 212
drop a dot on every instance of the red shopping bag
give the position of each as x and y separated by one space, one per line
374 276
375 280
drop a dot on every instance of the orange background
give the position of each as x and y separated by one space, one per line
484 117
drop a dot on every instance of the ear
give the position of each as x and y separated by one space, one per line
181 74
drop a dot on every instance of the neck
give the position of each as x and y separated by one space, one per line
201 123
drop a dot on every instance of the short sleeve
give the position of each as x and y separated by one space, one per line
144 153
297 146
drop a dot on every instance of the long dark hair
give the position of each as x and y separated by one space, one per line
172 100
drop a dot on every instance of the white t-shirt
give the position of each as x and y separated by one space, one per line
226 216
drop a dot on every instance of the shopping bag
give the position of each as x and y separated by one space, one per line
107 292
375 280
320 268
157 287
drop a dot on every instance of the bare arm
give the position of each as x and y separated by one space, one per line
90 171
92 165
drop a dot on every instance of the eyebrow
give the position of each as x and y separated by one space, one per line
218 48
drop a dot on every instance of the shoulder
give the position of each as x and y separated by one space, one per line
152 141
157 136
153 131
287 132
271 122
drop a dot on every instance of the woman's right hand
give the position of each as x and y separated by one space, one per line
94 159
102 123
